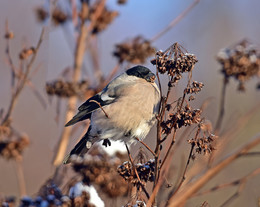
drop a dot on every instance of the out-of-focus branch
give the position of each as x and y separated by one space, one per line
175 21
85 31
189 190
227 136
72 101
239 182
241 186
16 91
222 106
20 177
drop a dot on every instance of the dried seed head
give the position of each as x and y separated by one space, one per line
99 168
13 149
42 14
121 1
59 16
66 89
174 61
203 144
9 35
135 51
241 62
103 20
195 87
25 53
145 172
184 117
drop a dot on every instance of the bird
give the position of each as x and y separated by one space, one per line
124 110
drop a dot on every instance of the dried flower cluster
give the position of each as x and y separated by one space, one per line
97 167
137 203
135 51
52 196
13 149
184 117
203 144
145 172
9 35
103 20
25 53
66 89
174 61
5 131
121 1
241 62
58 16
195 87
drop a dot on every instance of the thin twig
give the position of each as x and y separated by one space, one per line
222 107
227 136
192 188
147 147
20 177
175 21
23 80
100 107
136 173
230 184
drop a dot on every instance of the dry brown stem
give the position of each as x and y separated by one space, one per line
84 34
188 191
175 21
237 182
221 107
72 101
140 184
16 90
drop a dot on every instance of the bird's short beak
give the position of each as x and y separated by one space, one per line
152 78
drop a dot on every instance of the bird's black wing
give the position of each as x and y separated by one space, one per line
89 106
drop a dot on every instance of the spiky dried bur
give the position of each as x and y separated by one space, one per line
241 62
145 172
66 89
174 61
99 168
135 51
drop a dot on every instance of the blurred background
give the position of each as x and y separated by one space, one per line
208 27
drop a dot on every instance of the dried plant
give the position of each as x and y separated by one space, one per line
149 178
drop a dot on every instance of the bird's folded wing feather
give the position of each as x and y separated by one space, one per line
92 104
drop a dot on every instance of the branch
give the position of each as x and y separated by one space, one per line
136 173
72 101
222 107
175 21
230 184
23 79
191 189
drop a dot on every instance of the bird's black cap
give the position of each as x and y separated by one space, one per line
141 72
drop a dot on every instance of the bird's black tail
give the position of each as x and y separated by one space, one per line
81 147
